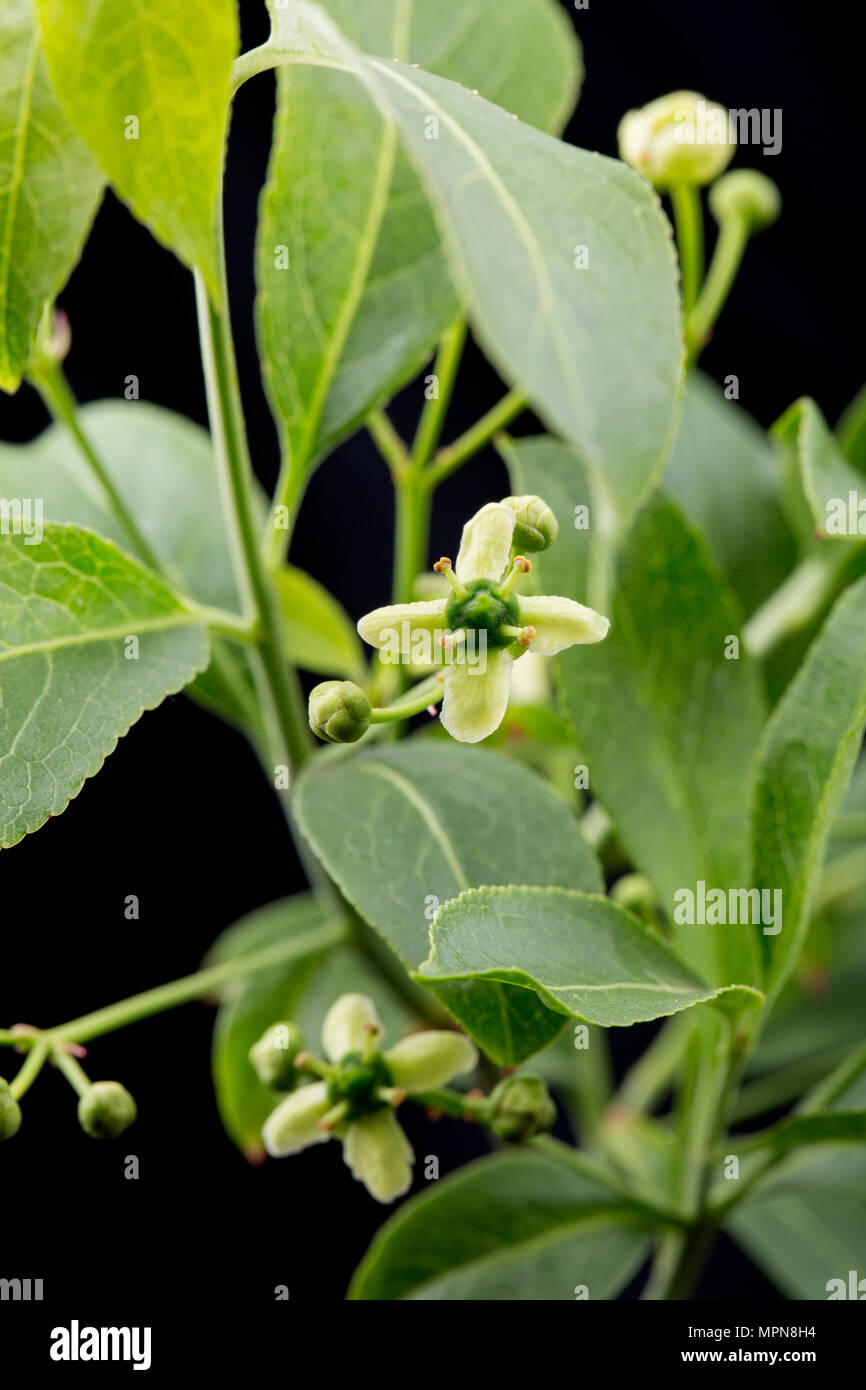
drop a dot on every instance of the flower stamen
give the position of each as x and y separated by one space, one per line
449 640
333 1117
443 566
519 565
391 1095
523 635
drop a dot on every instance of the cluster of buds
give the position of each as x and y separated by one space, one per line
105 1108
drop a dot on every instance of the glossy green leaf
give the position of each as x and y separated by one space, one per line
582 955
668 726
517 1227
402 829
147 87
722 472
49 191
513 201
319 635
807 1225
68 688
301 990
802 771
817 476
354 288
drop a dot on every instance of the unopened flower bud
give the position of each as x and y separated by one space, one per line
339 711
536 527
747 195
10 1112
106 1109
679 138
273 1056
521 1106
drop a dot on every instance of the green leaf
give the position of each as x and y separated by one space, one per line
807 1225
668 725
851 431
722 472
319 635
167 68
512 200
817 477
518 1226
583 955
162 467
802 770
403 829
367 292
50 190
68 690
301 991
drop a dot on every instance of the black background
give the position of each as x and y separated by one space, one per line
181 815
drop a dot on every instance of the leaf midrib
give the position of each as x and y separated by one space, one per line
108 634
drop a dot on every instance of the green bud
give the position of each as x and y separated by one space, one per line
273 1056
106 1109
536 528
747 195
339 712
679 138
521 1107
10 1112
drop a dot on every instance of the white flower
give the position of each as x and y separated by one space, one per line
483 609
359 1091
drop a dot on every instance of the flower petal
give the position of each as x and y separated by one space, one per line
475 701
560 623
486 545
393 627
379 1155
425 1060
345 1028
294 1124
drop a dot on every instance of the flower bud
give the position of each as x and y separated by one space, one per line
106 1109
679 138
521 1106
339 712
273 1056
747 195
10 1112
536 527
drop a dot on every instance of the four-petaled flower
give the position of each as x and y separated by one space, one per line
359 1090
483 607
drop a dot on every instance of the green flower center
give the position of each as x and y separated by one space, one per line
485 610
356 1080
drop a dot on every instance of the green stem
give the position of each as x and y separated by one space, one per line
689 219
72 1070
428 693
190 987
54 389
700 320
498 418
780 1087
435 410
412 500
281 690
388 442
794 604
30 1069
646 1081
453 1103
